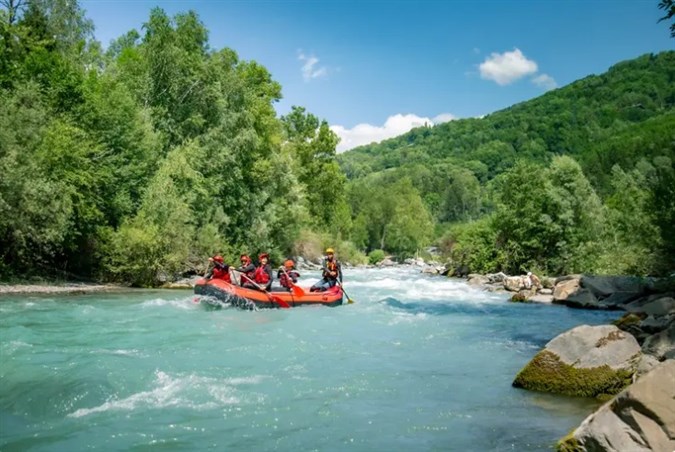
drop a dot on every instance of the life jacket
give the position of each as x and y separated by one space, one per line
332 266
221 273
286 279
261 276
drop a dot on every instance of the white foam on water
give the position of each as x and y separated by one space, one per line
12 346
183 303
179 391
406 284
120 352
406 317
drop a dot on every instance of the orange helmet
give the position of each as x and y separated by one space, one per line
289 263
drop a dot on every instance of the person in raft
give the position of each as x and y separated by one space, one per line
331 272
287 275
218 269
247 270
262 275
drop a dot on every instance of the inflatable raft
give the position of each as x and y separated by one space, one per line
247 298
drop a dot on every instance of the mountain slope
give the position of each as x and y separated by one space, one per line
572 120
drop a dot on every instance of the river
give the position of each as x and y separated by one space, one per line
416 363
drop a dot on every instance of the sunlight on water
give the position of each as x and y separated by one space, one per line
417 363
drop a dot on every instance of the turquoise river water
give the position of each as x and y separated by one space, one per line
417 363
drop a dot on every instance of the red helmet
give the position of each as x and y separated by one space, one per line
263 255
244 257
218 259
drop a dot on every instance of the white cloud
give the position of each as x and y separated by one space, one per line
395 125
444 117
311 69
507 67
545 81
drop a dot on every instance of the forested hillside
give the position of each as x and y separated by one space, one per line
137 163
579 179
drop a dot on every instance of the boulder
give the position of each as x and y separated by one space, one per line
660 307
478 280
583 299
646 364
430 270
586 361
661 345
541 298
546 292
513 283
604 286
655 324
641 418
496 277
563 289
386 263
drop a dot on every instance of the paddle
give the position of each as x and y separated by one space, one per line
297 290
274 298
349 300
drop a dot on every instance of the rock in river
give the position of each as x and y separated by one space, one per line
586 361
640 419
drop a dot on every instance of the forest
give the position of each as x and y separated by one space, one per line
580 179
136 162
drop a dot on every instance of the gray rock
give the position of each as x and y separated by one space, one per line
641 418
430 270
620 300
600 359
603 286
593 346
655 324
646 363
660 307
582 298
564 288
546 292
478 280
513 283
386 263
496 277
661 345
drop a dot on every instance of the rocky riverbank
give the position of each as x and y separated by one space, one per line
57 288
631 362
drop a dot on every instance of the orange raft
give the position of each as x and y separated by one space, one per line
246 298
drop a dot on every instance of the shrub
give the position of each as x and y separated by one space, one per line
375 256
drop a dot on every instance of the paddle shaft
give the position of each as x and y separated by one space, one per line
272 298
295 290
349 299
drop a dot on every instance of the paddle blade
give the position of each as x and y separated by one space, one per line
349 301
298 291
280 302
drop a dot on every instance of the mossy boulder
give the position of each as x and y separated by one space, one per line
639 419
587 361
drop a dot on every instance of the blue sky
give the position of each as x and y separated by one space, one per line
374 69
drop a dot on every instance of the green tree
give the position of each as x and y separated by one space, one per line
669 7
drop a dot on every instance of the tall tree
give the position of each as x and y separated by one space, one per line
669 7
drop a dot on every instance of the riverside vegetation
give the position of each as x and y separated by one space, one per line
133 163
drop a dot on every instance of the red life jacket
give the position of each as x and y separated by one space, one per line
220 273
286 279
261 276
331 266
